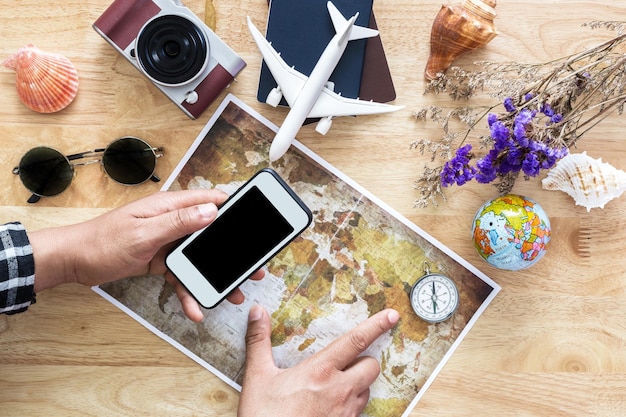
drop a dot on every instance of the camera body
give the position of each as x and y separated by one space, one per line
171 46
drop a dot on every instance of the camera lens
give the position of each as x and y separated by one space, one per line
172 50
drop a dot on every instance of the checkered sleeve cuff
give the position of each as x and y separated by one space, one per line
17 269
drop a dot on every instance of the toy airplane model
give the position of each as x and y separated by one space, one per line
312 96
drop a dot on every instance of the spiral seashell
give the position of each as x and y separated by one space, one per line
457 29
590 182
210 16
45 82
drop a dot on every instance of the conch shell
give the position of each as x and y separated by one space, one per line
45 82
590 182
457 29
210 16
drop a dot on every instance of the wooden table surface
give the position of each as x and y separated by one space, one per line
553 343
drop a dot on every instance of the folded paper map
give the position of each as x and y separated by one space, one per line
358 257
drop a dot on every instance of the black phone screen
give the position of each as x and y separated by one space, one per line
237 239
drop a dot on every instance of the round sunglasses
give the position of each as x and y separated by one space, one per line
45 172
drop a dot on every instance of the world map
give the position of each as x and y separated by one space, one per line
356 259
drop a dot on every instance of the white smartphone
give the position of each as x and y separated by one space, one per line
252 226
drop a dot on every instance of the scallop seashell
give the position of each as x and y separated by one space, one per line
590 182
45 82
457 29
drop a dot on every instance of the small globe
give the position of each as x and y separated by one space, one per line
511 232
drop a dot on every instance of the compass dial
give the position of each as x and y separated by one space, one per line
434 298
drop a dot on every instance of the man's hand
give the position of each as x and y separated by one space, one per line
129 241
332 383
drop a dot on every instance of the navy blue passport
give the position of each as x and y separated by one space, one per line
300 31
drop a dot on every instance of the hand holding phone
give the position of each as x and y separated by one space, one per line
251 227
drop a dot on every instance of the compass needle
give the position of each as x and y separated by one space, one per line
434 297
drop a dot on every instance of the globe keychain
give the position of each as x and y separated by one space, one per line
434 297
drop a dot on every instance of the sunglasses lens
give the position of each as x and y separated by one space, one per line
129 161
45 171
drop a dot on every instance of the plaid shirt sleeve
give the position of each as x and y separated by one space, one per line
17 269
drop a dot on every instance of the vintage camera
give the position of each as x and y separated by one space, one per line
173 48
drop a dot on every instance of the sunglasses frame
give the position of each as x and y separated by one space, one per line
99 152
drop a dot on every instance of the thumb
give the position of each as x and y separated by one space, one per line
179 223
259 356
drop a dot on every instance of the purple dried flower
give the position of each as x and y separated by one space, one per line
556 118
486 176
551 155
457 170
547 110
560 152
499 131
508 105
505 167
515 155
519 132
514 148
536 146
525 117
486 167
530 164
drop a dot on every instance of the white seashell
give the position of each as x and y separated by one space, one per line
45 82
590 182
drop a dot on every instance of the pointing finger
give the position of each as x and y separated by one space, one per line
343 351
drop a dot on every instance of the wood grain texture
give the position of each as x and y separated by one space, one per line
552 343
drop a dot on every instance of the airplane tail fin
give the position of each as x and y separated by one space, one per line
340 22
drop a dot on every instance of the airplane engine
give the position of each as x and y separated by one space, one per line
274 97
323 125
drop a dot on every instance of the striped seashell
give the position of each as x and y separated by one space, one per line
590 182
45 82
457 29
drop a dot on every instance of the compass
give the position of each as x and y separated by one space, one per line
434 297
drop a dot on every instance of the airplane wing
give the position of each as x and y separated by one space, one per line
291 81
332 104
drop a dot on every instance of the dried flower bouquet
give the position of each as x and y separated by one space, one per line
544 110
